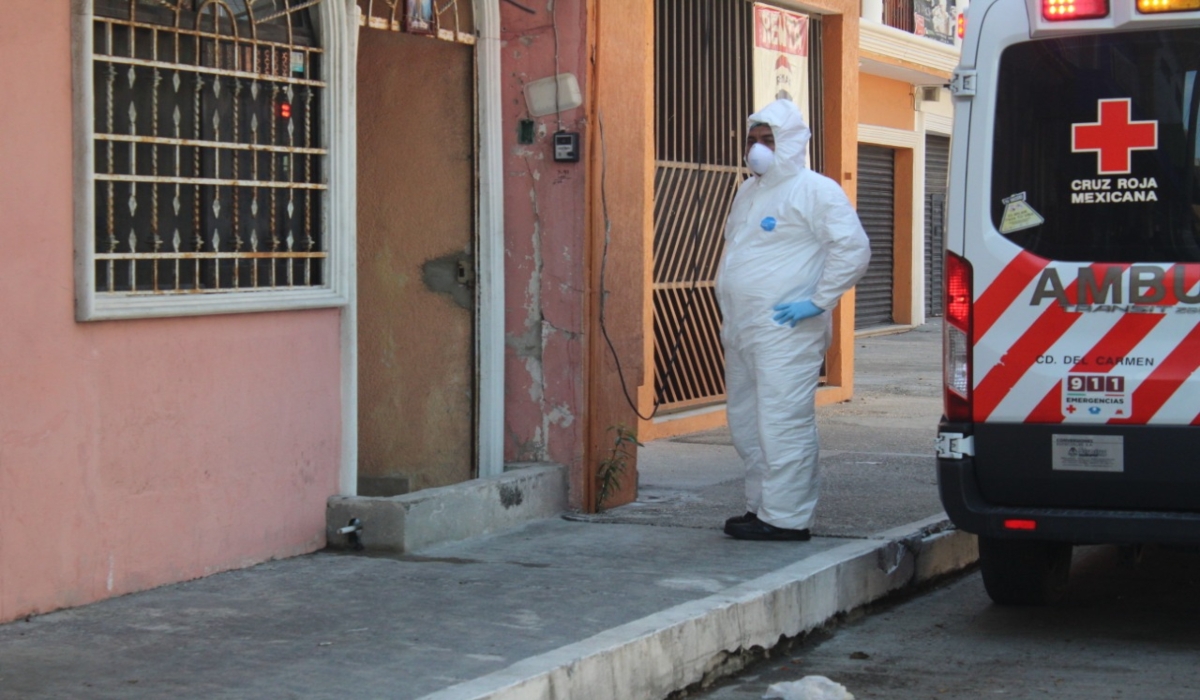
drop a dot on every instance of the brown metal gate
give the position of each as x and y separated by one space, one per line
703 53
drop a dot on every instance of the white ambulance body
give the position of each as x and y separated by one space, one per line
1073 284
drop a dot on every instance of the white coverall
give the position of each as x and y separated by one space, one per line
791 235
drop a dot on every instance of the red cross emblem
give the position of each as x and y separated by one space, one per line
1070 408
1114 136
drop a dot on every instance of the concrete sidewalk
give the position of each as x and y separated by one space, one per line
634 603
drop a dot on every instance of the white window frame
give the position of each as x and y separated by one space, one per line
337 29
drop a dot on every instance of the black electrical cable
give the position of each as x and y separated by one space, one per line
516 4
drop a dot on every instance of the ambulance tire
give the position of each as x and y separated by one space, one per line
1021 572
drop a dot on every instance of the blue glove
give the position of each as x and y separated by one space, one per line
792 312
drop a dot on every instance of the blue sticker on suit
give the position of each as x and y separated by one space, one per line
768 223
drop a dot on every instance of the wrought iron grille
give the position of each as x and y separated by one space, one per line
899 14
208 146
703 84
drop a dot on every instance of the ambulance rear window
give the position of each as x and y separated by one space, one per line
1096 156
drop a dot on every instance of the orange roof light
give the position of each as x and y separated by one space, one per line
1151 6
1062 10
962 24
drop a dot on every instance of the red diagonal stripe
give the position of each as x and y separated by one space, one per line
1165 380
1049 410
1013 365
1118 341
1000 295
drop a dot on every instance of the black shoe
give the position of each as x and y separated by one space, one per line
738 519
759 530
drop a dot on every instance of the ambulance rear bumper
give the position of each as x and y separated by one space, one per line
960 494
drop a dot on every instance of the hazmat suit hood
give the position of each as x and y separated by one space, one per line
791 138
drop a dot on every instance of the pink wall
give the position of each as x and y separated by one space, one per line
135 453
545 246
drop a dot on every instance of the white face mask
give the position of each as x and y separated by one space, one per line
759 158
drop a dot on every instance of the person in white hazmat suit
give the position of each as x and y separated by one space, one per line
793 246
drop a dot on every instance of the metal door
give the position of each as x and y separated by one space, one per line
416 240
937 159
703 52
876 210
702 88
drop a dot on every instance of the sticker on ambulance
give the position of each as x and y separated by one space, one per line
1018 215
1088 453
1095 398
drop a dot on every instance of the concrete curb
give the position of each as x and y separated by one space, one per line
668 651
449 513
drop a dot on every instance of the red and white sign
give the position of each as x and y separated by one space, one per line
1114 137
780 57
779 30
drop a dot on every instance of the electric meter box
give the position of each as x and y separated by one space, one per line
566 147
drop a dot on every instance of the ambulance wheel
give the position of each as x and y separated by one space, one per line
1021 572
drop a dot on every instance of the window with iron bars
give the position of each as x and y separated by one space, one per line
208 154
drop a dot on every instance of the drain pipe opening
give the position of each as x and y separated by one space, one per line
351 532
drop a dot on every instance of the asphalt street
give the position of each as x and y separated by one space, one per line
1127 629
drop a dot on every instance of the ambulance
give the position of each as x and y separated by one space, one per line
1072 319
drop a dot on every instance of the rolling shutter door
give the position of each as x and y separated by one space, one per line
876 199
937 162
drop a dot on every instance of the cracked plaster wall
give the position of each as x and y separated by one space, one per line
545 238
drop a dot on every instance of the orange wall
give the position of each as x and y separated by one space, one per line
884 102
135 453
621 207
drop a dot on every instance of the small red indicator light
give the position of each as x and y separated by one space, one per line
1015 524
1059 10
285 110
962 24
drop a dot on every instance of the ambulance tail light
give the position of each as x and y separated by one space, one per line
1061 10
962 24
956 362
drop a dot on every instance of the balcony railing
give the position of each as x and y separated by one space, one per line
898 14
932 19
